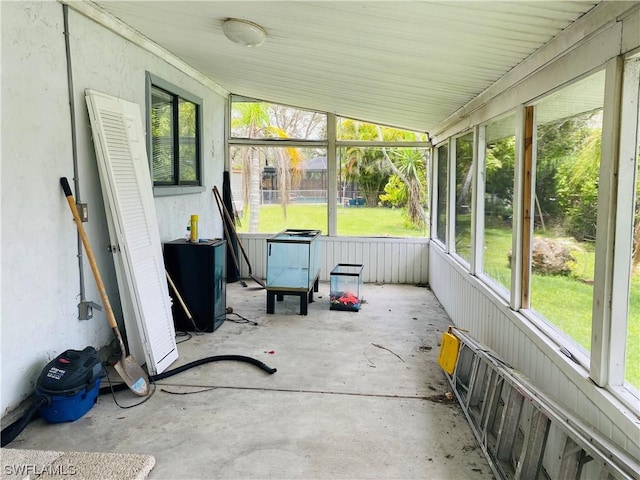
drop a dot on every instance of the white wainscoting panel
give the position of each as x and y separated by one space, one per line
385 260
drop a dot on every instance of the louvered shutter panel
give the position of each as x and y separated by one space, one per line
119 140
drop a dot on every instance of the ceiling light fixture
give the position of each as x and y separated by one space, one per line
244 32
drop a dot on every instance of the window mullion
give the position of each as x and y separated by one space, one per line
605 228
435 166
198 134
520 229
332 173
473 263
176 139
479 185
627 178
528 199
451 199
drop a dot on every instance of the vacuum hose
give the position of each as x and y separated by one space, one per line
196 363
216 358
10 432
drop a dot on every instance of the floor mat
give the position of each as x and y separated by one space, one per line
45 464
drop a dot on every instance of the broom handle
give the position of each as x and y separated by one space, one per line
175 290
228 216
226 231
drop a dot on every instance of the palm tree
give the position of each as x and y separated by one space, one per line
288 162
260 120
372 168
358 165
409 165
253 117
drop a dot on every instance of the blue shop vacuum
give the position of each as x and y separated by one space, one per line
71 381
66 389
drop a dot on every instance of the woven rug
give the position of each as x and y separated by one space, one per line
50 465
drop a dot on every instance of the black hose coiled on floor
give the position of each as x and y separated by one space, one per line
12 431
202 361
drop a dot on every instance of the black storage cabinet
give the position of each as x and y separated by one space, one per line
199 273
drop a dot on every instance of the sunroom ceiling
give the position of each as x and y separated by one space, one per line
409 64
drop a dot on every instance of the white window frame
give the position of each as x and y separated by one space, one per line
435 192
627 179
468 264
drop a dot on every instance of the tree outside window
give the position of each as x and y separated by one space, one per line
174 123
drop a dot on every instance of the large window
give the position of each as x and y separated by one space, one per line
279 179
275 188
442 192
284 176
381 185
499 162
174 123
256 119
464 194
565 204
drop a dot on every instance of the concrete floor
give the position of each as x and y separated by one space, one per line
357 395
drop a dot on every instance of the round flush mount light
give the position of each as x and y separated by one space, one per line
244 32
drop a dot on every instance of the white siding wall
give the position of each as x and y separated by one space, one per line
40 279
472 306
385 260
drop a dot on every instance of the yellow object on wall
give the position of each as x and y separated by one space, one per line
448 356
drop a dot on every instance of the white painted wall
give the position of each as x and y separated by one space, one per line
40 279
39 266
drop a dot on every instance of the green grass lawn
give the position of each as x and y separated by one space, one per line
496 255
352 221
565 301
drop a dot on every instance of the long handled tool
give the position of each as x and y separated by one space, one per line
180 299
132 373
229 245
255 278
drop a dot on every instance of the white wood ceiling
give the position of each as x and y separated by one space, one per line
409 64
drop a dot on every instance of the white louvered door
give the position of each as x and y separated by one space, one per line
118 135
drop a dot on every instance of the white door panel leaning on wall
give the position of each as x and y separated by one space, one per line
118 135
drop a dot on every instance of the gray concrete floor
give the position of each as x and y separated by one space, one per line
357 395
